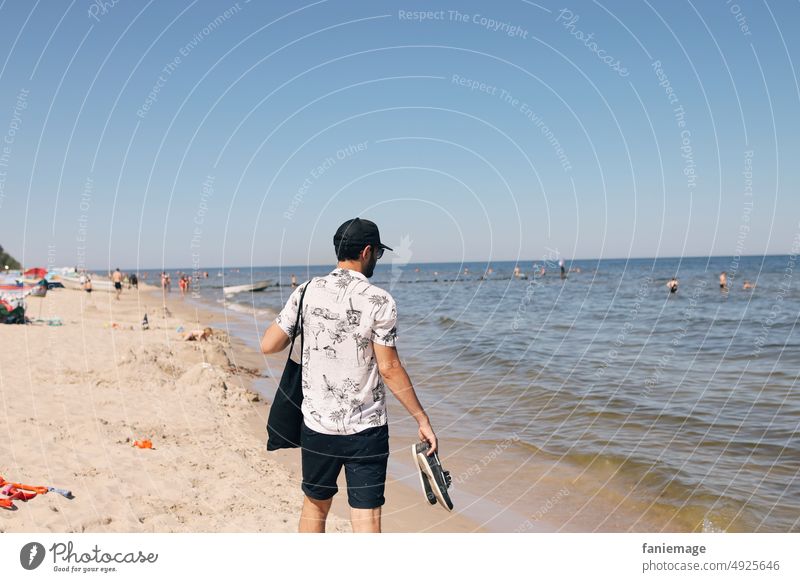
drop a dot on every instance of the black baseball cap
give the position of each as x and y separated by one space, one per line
358 231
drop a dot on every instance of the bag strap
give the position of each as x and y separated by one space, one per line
299 330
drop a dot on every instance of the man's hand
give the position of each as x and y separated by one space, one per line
426 434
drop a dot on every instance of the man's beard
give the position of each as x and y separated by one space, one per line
370 268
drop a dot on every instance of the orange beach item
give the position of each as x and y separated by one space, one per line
22 492
40 490
14 493
143 444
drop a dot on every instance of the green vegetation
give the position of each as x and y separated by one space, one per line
6 259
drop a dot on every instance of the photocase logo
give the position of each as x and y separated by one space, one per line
31 555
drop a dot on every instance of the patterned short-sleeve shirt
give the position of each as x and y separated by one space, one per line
343 313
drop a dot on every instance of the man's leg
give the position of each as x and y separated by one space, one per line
320 471
366 480
315 512
365 520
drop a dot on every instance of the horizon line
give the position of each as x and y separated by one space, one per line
518 261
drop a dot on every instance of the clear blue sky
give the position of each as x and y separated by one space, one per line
155 134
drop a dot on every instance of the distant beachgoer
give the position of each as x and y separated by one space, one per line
517 272
198 335
748 285
563 269
163 281
723 280
183 284
294 280
87 284
541 271
673 285
168 283
117 278
134 280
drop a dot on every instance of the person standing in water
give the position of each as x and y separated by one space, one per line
723 281
563 270
673 285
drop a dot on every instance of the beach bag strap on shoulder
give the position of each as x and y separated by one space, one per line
298 324
285 415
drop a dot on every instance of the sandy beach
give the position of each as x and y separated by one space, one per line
76 396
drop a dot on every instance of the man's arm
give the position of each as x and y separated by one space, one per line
396 378
275 340
279 334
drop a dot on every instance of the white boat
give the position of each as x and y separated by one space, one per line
75 283
249 287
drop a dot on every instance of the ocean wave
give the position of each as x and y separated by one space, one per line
262 312
449 322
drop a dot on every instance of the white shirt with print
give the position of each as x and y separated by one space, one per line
343 313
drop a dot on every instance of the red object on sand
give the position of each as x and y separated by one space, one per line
143 444
14 493
34 488
37 272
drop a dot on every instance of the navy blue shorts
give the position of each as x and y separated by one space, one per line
364 456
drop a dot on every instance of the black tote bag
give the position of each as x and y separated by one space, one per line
285 416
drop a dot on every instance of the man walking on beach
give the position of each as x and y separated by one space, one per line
117 278
350 330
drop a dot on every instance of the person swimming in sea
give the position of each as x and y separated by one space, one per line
673 285
723 281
